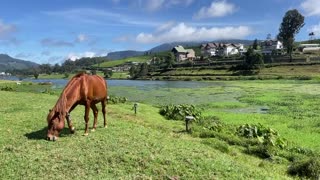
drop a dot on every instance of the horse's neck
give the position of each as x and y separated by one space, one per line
71 98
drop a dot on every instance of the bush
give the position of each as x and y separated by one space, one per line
179 112
265 136
117 100
306 168
7 88
211 123
262 151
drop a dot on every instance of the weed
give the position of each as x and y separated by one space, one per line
309 168
179 112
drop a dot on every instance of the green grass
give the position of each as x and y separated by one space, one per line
146 145
139 146
122 61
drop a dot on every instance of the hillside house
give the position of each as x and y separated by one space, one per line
271 46
221 49
182 54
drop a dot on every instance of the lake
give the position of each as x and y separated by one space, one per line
163 92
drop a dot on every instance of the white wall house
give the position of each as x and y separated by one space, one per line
182 54
270 46
221 49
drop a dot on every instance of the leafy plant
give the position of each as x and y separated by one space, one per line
117 99
179 112
265 135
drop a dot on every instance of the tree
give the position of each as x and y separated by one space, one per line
255 44
253 60
35 73
107 73
291 24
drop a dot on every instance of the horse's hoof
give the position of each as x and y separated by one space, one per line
85 134
105 126
73 130
93 130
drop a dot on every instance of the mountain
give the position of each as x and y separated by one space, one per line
124 54
169 46
7 63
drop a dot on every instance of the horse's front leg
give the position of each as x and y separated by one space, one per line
69 121
71 128
95 115
86 119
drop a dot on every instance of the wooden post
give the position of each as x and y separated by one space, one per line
188 120
135 107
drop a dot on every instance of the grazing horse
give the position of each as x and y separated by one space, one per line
83 89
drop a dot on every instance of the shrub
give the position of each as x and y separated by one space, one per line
306 168
211 122
7 88
179 112
265 136
262 151
117 100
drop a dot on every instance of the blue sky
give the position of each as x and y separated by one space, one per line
46 31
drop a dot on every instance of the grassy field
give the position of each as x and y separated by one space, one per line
122 61
146 145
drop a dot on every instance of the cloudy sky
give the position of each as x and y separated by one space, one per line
46 31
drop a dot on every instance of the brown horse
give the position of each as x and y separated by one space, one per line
83 89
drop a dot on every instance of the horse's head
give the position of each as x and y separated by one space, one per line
55 124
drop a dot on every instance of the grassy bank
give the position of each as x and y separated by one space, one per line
133 146
147 145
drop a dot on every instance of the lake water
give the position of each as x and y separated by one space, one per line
161 92
170 92
140 84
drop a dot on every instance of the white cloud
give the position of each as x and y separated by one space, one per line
315 29
165 26
154 5
182 32
55 43
6 29
180 2
81 38
216 9
74 56
311 7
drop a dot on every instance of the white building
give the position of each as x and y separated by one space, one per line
271 46
221 49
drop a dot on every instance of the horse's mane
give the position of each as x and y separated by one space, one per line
61 103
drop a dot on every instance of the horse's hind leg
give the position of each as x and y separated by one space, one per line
86 119
103 103
95 115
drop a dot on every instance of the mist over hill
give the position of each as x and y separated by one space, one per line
9 63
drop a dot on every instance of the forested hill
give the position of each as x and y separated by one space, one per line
123 54
9 63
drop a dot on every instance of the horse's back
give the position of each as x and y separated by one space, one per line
97 86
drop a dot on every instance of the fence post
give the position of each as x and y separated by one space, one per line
188 120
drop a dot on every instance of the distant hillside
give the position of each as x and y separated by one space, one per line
169 46
124 54
8 63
